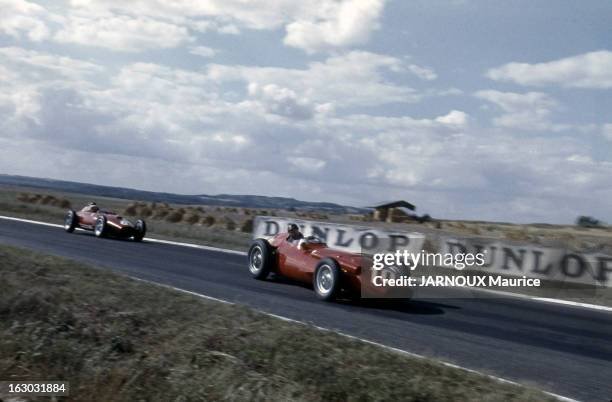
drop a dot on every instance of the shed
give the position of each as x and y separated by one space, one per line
389 211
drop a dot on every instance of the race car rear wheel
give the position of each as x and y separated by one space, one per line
141 230
260 259
100 227
70 221
326 280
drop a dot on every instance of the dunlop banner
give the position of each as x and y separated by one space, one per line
506 258
535 261
344 237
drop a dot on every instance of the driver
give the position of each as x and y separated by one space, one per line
294 233
91 207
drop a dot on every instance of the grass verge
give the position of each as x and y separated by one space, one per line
118 339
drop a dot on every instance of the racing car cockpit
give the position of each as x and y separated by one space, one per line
309 241
91 207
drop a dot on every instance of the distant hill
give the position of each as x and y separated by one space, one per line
245 201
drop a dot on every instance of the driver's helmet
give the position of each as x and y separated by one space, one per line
93 207
293 228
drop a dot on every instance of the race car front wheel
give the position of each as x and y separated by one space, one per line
70 221
326 280
141 230
100 227
260 259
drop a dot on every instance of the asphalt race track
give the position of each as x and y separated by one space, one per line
561 349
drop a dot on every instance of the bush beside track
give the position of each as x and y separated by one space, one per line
118 339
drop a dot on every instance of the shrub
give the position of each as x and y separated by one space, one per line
424 218
208 220
588 222
174 217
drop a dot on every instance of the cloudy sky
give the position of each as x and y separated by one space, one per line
470 109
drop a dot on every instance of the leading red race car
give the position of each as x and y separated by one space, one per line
331 272
104 223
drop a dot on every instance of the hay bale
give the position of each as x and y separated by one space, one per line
247 226
228 223
208 220
192 218
64 203
174 216
23 197
161 213
130 210
146 212
47 199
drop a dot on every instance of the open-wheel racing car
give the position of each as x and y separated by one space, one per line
331 272
104 223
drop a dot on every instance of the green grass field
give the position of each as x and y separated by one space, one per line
117 339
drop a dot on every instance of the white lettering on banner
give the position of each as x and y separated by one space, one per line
343 237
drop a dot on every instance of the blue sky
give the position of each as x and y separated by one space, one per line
469 109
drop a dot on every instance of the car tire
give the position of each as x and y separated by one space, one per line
70 221
326 279
260 259
141 230
100 227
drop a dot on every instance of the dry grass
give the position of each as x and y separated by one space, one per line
116 339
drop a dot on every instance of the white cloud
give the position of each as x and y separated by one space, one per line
203 51
311 25
454 118
122 33
529 111
423 73
354 78
588 70
307 165
65 66
21 18
338 24
606 130
281 101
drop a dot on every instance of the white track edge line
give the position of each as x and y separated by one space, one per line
353 337
228 251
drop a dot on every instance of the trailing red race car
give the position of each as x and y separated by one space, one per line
104 223
332 272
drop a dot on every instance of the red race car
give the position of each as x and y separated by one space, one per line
309 260
104 223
